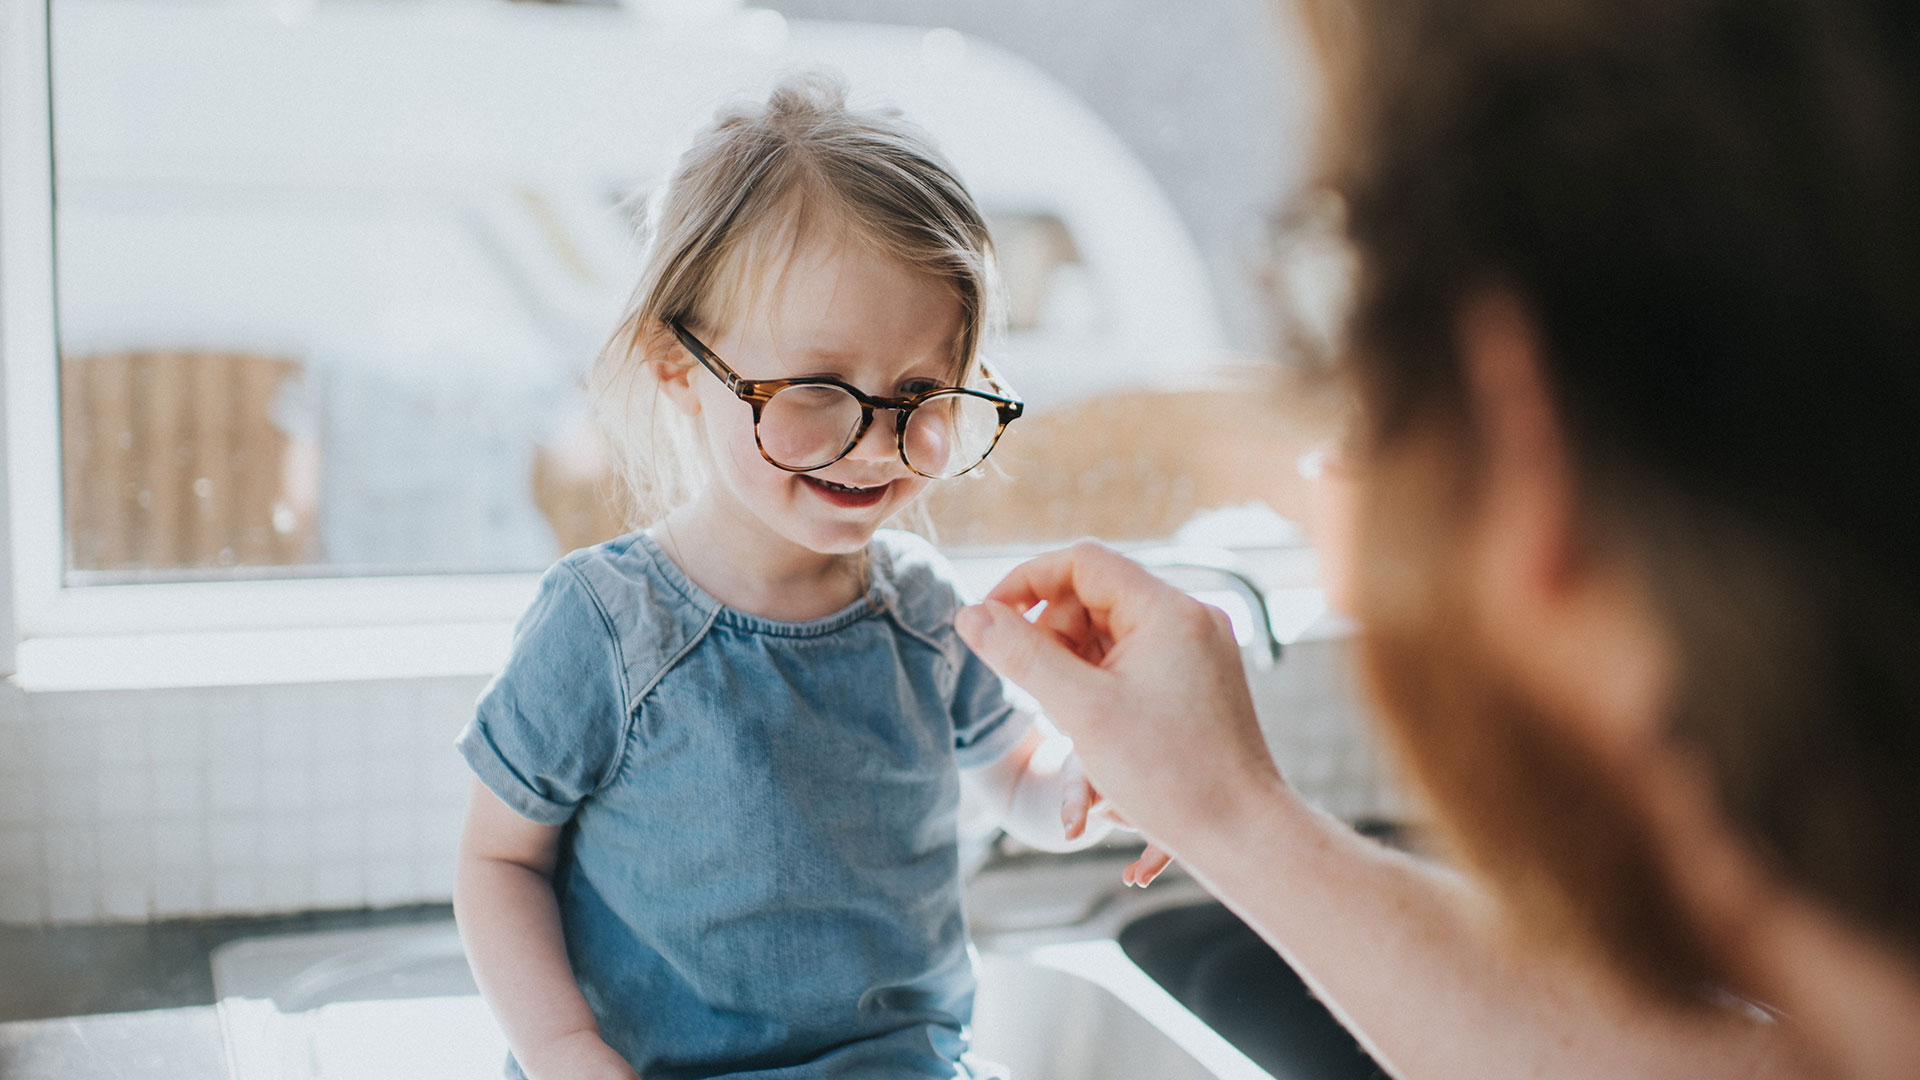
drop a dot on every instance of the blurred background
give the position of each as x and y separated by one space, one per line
328 277
330 274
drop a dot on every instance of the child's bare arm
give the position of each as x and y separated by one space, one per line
510 924
1044 800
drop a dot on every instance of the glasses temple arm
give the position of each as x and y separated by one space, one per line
705 356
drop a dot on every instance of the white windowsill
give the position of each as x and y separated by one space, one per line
476 646
260 657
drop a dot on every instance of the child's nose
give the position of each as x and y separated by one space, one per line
879 443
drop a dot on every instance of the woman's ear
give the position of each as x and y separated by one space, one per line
672 368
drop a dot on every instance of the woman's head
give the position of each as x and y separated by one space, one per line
774 241
1705 209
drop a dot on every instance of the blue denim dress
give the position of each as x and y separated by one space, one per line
758 876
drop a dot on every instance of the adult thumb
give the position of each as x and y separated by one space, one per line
1024 653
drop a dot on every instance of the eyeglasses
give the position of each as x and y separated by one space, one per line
801 425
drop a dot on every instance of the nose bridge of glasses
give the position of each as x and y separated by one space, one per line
880 437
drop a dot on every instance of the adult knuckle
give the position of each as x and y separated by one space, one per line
1222 624
1195 617
1087 548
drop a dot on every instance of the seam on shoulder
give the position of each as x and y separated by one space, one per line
929 638
694 639
619 672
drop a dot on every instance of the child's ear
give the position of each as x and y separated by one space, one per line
672 368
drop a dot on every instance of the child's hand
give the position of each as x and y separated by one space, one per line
1085 805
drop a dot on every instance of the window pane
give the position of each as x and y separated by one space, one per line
330 275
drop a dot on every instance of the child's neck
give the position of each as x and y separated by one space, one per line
752 571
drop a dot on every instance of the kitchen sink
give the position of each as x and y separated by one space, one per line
1080 979
1220 970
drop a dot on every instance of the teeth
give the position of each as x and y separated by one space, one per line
839 487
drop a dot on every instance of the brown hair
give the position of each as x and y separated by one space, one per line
760 182
1709 208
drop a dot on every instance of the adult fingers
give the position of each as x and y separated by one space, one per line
1066 618
1028 655
1116 592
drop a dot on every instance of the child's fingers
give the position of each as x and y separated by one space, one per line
1147 867
1075 809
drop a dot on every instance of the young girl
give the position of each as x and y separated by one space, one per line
713 828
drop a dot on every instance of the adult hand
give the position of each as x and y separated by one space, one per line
1146 680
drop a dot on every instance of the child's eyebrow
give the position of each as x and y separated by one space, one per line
934 367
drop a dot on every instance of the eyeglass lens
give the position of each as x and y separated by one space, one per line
811 426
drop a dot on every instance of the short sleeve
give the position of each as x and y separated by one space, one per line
549 728
986 725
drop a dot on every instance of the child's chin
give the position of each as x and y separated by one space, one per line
842 541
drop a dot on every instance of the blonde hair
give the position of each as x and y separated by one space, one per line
752 188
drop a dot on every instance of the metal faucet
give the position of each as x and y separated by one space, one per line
1172 563
1201 568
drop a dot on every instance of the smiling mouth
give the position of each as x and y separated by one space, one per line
843 495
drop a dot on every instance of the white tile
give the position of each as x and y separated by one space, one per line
233 738
340 787
233 842
23 757
67 744
388 833
286 841
20 799
123 897
390 881
433 876
385 734
71 853
122 743
446 778
20 858
124 794
237 890
287 888
179 847
22 900
70 797
125 849
388 780
338 836
338 739
71 899
179 790
339 885
287 788
180 894
437 833
174 740
233 787
287 738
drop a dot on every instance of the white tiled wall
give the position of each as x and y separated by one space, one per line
157 804
1310 710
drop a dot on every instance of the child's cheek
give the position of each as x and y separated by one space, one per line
732 441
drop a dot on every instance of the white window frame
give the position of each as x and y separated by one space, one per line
55 636
268 631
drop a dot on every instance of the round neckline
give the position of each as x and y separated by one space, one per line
870 602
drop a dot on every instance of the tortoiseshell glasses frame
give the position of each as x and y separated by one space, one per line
757 393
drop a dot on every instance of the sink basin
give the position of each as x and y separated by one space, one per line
399 1004
1221 971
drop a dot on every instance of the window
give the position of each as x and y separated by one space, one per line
329 276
